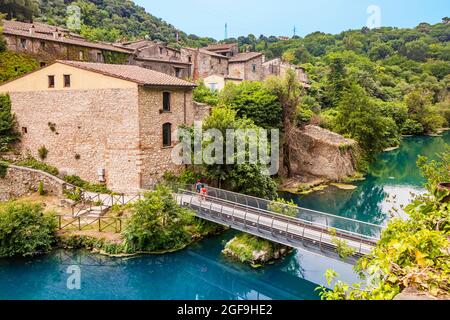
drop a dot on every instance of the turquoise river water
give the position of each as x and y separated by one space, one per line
200 272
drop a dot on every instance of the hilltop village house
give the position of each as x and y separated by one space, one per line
49 43
103 122
216 64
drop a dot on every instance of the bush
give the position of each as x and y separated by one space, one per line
3 169
30 162
78 182
411 127
41 190
158 223
25 230
284 207
43 152
203 94
304 115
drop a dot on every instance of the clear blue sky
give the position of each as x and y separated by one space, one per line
278 17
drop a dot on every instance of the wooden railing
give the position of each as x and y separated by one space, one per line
100 224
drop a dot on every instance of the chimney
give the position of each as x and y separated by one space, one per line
55 34
32 29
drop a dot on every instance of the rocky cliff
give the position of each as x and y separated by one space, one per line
319 153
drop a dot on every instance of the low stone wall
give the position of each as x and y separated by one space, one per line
20 181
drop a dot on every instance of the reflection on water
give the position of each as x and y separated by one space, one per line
391 180
200 272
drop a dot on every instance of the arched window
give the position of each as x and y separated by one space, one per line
167 134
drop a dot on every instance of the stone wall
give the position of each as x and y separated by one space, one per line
21 181
205 64
48 51
244 70
322 153
155 159
92 130
201 111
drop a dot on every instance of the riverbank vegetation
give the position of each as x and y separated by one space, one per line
253 250
25 230
412 253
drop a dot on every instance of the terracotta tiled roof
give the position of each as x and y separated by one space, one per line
221 46
76 42
25 26
139 75
246 56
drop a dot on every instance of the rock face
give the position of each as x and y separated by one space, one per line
323 154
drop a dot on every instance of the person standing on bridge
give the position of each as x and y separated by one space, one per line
198 186
203 192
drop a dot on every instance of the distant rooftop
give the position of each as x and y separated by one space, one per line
221 46
42 31
245 56
139 75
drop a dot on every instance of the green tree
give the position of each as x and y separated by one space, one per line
361 120
7 133
20 9
254 101
245 178
203 94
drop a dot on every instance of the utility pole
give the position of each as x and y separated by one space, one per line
226 31
295 31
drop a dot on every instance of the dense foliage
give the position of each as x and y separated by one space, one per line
7 132
157 223
245 178
25 230
411 253
92 187
31 162
14 64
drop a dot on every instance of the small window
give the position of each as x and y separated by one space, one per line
67 81
23 43
190 59
81 55
220 61
42 44
43 64
178 72
24 130
213 87
99 57
254 67
161 50
167 135
166 101
51 81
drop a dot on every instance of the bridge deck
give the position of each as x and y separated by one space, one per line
285 230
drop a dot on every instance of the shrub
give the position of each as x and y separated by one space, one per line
304 115
158 223
41 190
203 94
92 187
3 169
25 230
284 207
30 162
43 152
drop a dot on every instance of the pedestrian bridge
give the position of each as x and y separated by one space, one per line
309 230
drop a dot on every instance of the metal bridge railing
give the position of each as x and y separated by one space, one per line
265 223
312 216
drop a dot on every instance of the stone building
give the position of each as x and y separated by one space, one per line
225 49
49 43
159 57
205 63
246 66
103 122
278 67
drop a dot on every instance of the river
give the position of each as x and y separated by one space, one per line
201 272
